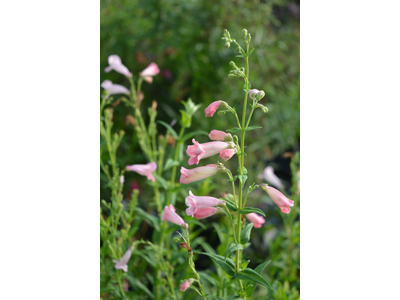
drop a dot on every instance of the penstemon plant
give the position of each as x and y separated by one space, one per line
120 224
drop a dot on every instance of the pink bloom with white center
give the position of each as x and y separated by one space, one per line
149 72
227 154
199 151
122 263
269 175
144 170
217 135
203 213
198 202
184 286
115 64
255 219
114 89
279 198
212 108
196 174
253 93
171 216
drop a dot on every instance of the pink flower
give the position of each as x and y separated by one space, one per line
122 263
114 89
184 286
279 198
149 72
196 174
198 202
171 216
255 219
270 176
227 154
199 151
115 63
253 93
212 108
217 135
203 213
144 170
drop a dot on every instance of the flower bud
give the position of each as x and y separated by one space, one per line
260 95
232 64
227 44
244 31
264 109
185 285
226 33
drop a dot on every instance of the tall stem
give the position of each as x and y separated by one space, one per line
241 164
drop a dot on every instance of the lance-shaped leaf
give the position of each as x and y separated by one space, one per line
258 269
170 129
245 234
161 180
228 266
250 274
233 247
249 210
230 204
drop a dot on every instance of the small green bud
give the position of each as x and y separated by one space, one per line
231 76
244 31
227 44
264 109
226 33
224 38
235 139
232 64
260 95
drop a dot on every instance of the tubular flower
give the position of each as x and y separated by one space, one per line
198 202
269 175
279 198
212 108
115 64
227 154
203 213
196 174
255 219
198 151
217 135
171 216
184 286
114 89
122 263
149 72
144 170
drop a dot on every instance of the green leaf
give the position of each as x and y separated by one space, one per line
170 163
244 264
235 129
240 55
233 247
192 134
250 52
244 171
252 128
261 267
250 274
230 204
161 180
228 266
234 297
170 129
141 286
245 234
204 275
242 179
152 219
249 210
218 298
242 154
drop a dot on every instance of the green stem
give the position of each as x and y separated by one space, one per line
119 284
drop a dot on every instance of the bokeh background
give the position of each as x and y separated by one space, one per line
184 39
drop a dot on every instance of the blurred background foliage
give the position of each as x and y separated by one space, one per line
184 39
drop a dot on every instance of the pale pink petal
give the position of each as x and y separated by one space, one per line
151 70
203 213
196 174
199 202
217 135
185 285
149 79
115 64
114 89
171 216
270 176
212 108
255 219
227 154
199 151
280 199
145 170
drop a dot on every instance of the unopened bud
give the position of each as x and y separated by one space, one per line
264 109
154 105
227 44
260 95
228 138
244 31
226 33
232 64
